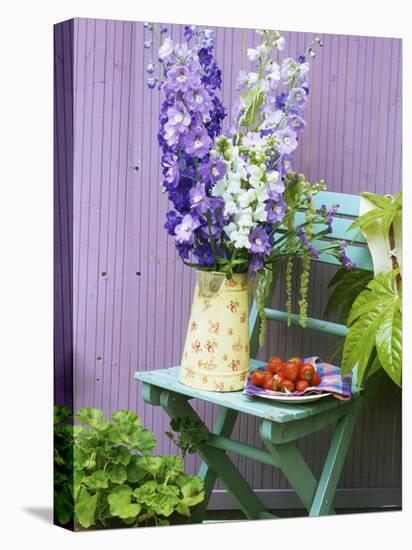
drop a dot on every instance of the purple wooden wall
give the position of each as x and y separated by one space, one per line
130 294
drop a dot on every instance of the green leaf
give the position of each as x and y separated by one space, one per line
63 505
92 417
85 508
150 464
135 437
375 320
120 503
61 414
253 102
348 285
83 460
172 466
117 473
98 480
78 477
120 455
389 343
126 416
165 500
378 200
134 472
146 492
183 509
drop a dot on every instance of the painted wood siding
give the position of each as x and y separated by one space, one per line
131 295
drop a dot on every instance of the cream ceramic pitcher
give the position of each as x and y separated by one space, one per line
216 351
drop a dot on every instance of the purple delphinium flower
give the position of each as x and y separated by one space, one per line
284 164
281 100
256 263
172 220
212 171
180 79
346 261
148 44
197 142
199 201
297 98
197 100
163 29
185 231
151 83
205 255
329 215
306 243
259 240
170 165
276 210
287 141
179 117
296 123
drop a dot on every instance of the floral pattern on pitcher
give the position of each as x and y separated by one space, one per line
215 357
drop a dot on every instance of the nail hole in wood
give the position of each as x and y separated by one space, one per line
136 168
104 273
138 273
98 358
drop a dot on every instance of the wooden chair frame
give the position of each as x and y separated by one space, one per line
281 425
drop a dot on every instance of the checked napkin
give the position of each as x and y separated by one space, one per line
331 382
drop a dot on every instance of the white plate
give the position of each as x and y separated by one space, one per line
297 399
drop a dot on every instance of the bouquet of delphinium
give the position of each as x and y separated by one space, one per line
234 194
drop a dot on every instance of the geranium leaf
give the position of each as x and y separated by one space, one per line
92 417
117 473
150 464
85 507
126 416
120 503
98 480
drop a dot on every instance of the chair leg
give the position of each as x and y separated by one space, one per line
335 459
224 426
292 464
176 406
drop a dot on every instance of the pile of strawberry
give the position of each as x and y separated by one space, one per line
290 376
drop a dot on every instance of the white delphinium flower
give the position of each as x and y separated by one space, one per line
240 239
252 78
280 43
244 219
260 213
166 48
246 197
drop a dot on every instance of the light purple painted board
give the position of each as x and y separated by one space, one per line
131 295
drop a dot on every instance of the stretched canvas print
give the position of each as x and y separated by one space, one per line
228 274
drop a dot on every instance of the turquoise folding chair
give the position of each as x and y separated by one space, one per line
281 424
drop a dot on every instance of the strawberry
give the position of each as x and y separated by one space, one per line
287 386
290 371
306 372
268 383
257 378
296 360
275 364
301 385
316 379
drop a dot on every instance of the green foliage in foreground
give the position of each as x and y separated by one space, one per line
105 474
